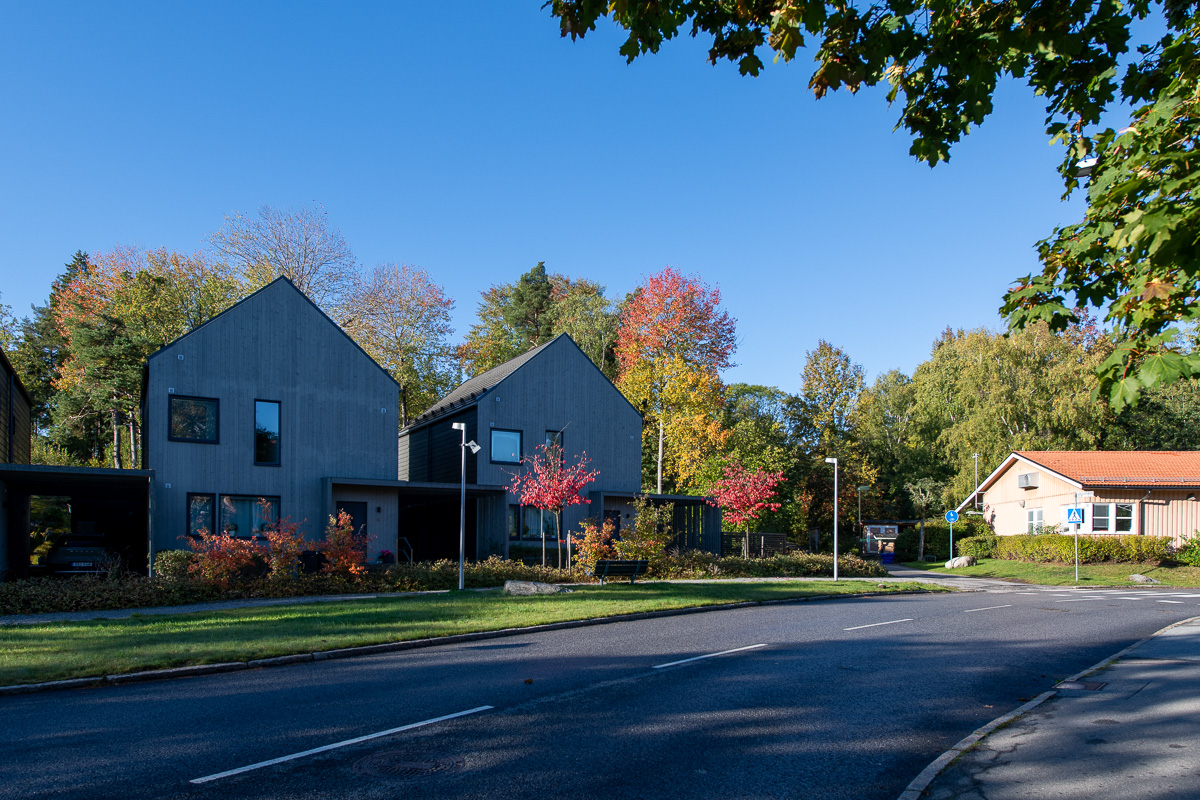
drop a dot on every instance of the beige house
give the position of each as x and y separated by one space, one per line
1151 493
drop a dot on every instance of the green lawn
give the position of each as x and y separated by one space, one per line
51 651
1064 574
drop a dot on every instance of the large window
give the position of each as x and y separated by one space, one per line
193 419
1114 517
200 510
246 515
506 446
528 524
266 433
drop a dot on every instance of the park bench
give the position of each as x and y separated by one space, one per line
619 568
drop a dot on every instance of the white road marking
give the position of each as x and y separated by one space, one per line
1179 602
1129 598
336 745
1075 600
876 624
1032 593
710 655
989 608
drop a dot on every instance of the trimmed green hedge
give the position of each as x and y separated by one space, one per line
175 586
981 545
1058 548
937 538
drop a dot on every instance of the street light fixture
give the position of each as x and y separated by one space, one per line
462 502
835 516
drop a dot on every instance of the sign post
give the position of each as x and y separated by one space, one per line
1075 519
952 517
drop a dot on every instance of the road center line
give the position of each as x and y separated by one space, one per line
989 608
1075 600
336 745
1180 602
710 655
876 624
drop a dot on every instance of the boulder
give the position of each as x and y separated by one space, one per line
961 561
1143 579
525 588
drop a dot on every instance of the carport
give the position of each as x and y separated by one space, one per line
111 503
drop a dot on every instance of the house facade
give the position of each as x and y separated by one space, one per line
267 411
551 394
1148 493
15 440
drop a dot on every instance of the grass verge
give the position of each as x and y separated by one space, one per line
1064 574
53 651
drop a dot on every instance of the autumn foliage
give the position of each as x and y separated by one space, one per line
744 495
550 484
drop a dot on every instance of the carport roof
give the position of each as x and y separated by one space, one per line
47 479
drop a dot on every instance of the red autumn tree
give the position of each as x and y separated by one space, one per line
550 484
744 495
673 341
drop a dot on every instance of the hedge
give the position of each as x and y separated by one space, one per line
937 538
1057 548
175 586
981 545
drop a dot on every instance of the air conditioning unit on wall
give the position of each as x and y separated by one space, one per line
1029 480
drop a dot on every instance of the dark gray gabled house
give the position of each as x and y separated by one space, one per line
268 401
552 393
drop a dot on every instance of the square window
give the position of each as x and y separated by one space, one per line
506 446
266 433
192 419
246 515
1101 517
200 508
1033 520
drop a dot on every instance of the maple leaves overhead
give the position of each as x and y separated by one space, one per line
550 484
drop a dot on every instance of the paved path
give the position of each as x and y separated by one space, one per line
1130 730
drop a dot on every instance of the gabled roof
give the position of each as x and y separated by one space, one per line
296 289
1107 469
469 392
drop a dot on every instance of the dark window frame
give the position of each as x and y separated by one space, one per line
187 513
278 462
557 438
275 500
492 448
171 398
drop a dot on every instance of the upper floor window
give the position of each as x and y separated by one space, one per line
266 432
193 419
506 446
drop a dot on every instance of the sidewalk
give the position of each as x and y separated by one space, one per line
1136 736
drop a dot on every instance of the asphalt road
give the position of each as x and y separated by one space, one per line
836 699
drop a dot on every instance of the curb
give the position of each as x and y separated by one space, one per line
391 647
919 784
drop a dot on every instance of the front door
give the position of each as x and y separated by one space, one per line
357 512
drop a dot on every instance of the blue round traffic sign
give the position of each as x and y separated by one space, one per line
951 516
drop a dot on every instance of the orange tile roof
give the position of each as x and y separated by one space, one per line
1122 467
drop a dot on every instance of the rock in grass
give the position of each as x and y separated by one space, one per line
961 561
525 588
1143 579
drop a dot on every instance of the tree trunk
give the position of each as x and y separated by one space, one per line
542 533
559 521
116 429
660 453
921 543
133 464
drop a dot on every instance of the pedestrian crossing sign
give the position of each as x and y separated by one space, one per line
1074 516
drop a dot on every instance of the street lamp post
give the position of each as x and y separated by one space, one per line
462 501
835 515
976 457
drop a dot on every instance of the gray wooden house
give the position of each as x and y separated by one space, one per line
268 410
15 430
552 393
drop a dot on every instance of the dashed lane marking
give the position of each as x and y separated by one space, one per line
709 655
876 624
989 608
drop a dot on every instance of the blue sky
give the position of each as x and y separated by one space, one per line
469 139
